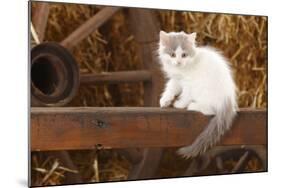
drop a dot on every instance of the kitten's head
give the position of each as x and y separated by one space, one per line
177 48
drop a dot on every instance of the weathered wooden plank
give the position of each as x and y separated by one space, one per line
89 26
119 127
116 77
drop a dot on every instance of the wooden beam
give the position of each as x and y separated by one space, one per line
89 26
66 128
40 19
116 77
146 20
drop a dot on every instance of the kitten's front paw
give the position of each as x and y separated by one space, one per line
164 102
179 104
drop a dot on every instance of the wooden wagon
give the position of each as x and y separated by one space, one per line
53 127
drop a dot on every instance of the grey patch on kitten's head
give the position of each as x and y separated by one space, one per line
177 48
175 39
171 41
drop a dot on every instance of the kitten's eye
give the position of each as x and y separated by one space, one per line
173 55
183 55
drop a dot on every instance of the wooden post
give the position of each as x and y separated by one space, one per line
145 28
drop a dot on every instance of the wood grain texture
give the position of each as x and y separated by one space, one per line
145 28
126 127
116 77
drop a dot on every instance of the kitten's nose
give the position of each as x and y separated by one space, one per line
178 62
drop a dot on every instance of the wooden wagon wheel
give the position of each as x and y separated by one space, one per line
239 158
146 29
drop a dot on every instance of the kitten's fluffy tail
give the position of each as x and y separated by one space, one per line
213 132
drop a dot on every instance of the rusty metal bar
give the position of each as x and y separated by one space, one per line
116 77
40 18
69 128
89 26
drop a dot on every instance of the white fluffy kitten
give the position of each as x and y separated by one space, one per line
200 79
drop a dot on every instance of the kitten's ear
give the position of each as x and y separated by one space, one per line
192 37
164 37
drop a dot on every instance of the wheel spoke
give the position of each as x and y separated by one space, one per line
192 169
40 19
133 155
241 163
89 26
147 167
219 164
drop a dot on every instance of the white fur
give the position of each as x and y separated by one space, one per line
202 81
